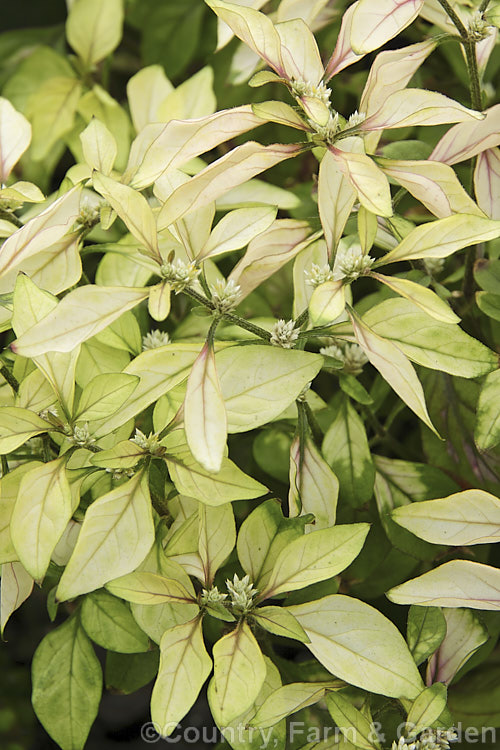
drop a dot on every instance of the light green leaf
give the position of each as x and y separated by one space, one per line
489 304
110 624
428 342
99 147
236 229
487 430
9 488
52 110
314 488
231 170
425 631
15 137
123 455
468 517
289 699
216 538
104 395
16 586
357 643
256 193
394 367
327 303
443 237
184 667
239 672
349 718
336 198
146 90
279 621
458 583
116 535
191 479
17 426
134 210
42 511
252 378
345 448
67 684
80 315
94 28
315 557
281 113
159 301
205 419
374 25
427 708
143 587
421 296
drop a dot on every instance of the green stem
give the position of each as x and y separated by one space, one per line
484 6
232 317
455 18
302 319
47 455
313 424
8 216
9 377
5 465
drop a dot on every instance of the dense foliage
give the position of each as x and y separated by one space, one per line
250 387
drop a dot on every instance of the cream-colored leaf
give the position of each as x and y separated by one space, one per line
343 55
80 315
239 672
465 634
252 378
289 699
184 667
9 488
487 182
412 107
336 198
421 296
216 538
17 426
374 24
253 28
369 182
133 209
117 534
441 238
268 252
458 583
434 184
143 587
314 488
427 708
94 28
394 367
299 51
205 419
42 231
15 137
146 90
468 517
193 98
105 394
16 586
355 642
42 511
283 114
159 301
99 147
327 303
236 229
239 165
315 557
160 147
468 139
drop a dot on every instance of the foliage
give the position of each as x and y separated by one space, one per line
250 382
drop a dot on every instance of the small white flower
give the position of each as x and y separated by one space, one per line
318 274
242 593
179 274
151 444
434 266
429 739
478 27
80 436
120 473
355 119
89 213
154 339
313 90
284 334
351 355
334 351
225 295
351 263
328 131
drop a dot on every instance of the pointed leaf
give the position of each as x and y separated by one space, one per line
355 726
146 90
299 51
94 28
369 182
288 700
458 583
15 137
17 585
487 182
236 229
314 488
426 629
468 139
104 395
374 25
159 301
143 587
283 114
343 54
184 667
327 303
110 624
116 535
427 708
17 426
465 634
421 296
239 672
336 198
99 147
216 538
279 621
412 107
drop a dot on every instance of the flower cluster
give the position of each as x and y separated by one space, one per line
284 334
479 27
80 435
242 593
318 274
150 444
429 739
212 596
155 339
225 295
179 275
351 355
351 263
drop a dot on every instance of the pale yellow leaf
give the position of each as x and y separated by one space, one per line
16 586
236 229
421 296
15 137
374 24
369 182
146 90
468 139
327 303
94 28
336 198
487 182
412 107
99 147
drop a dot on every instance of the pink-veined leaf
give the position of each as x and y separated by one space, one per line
369 182
375 23
424 298
284 114
487 182
299 51
412 107
343 55
336 198
468 139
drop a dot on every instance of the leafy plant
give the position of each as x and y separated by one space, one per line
296 433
